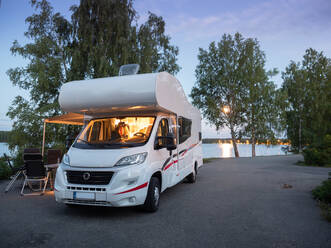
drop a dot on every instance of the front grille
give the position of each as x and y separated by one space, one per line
94 178
87 202
86 189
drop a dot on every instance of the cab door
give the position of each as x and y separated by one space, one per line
175 175
185 155
168 164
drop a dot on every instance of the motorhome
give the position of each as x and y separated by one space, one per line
140 136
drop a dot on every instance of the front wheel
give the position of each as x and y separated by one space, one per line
153 195
193 176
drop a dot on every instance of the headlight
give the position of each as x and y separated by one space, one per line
66 159
133 159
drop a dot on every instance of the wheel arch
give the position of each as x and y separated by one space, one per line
158 175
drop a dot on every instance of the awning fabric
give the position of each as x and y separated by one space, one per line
68 119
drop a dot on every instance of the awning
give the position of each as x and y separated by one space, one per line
68 119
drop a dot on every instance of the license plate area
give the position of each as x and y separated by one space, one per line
83 196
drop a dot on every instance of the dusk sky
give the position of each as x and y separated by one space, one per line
284 28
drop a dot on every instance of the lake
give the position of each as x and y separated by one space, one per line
215 150
4 149
245 150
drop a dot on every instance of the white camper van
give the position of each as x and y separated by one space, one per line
141 136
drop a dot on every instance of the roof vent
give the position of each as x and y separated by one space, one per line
129 69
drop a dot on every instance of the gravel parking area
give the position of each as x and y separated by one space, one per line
234 203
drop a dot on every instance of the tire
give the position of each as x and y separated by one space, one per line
153 196
193 176
72 205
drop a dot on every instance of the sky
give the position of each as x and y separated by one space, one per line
284 28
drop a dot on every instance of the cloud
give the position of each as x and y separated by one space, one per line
272 19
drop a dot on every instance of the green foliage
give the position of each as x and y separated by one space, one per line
232 74
323 192
308 106
156 53
17 160
4 136
100 37
5 171
103 32
319 154
209 160
261 100
217 84
42 77
107 36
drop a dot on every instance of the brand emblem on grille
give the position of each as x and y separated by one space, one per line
86 176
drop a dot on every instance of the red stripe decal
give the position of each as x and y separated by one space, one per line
136 188
188 149
167 167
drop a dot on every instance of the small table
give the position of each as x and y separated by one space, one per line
52 168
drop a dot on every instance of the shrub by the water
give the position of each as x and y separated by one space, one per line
322 193
319 155
5 171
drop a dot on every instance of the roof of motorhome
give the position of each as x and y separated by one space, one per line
133 93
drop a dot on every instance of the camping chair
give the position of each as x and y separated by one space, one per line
54 156
16 172
31 151
35 172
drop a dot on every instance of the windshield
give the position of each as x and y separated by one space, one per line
116 132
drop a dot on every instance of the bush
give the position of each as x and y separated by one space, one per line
323 192
5 171
319 155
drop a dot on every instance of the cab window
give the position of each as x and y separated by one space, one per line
162 130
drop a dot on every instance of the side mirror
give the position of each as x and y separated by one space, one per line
165 142
68 142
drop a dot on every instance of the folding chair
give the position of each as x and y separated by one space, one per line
17 172
35 172
54 156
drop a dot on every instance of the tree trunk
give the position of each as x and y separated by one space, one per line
300 148
234 142
253 143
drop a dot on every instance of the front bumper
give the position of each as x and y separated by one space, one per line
128 187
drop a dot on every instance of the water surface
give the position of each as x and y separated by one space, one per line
214 150
4 149
226 150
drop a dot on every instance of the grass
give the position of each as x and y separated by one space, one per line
302 163
326 210
208 160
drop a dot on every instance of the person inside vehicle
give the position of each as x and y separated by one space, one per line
123 130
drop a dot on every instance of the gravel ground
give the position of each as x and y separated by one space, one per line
234 203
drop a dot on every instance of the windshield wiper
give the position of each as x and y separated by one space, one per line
120 144
85 141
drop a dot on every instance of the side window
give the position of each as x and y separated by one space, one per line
184 129
162 130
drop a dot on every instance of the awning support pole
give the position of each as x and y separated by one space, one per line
43 147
